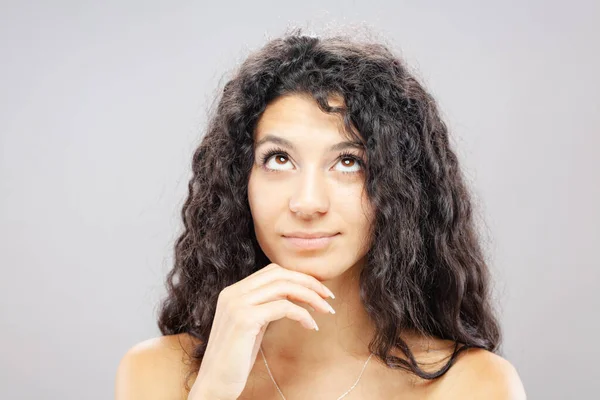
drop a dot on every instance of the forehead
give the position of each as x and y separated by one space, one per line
299 117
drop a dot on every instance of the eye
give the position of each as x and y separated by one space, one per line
280 153
354 162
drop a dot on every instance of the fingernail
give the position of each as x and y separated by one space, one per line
329 292
316 326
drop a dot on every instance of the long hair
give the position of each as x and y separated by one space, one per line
425 270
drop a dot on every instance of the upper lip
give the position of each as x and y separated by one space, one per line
310 235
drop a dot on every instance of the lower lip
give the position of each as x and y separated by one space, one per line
310 244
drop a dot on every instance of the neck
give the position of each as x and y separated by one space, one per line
343 335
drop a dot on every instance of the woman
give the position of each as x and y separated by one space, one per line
326 168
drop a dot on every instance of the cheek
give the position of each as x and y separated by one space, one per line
362 218
356 207
263 209
254 199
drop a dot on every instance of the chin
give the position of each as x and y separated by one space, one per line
319 267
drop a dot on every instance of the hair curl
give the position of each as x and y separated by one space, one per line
425 271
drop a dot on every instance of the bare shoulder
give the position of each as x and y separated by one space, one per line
481 374
155 368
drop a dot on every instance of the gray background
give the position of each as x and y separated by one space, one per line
102 104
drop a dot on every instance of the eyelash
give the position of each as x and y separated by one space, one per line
279 151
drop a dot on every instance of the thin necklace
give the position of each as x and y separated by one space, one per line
279 390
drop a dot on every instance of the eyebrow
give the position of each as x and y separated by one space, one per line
286 143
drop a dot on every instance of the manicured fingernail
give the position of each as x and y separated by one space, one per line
316 326
329 292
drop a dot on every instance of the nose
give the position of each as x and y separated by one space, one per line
310 195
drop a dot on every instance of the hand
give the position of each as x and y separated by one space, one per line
243 313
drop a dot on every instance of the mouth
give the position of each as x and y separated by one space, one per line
310 243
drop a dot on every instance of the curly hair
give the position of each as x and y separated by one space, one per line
425 270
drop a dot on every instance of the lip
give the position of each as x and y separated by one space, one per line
310 235
310 243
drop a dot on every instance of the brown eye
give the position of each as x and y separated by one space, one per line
280 157
348 162
277 154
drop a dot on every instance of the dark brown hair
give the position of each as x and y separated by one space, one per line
425 271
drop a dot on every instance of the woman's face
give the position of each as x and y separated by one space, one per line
306 185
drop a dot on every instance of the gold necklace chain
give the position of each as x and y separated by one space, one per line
279 390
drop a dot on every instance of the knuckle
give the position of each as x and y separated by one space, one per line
224 293
291 309
283 285
223 303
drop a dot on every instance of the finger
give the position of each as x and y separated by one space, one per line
278 309
285 289
276 272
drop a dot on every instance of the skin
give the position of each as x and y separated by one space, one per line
312 189
306 189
